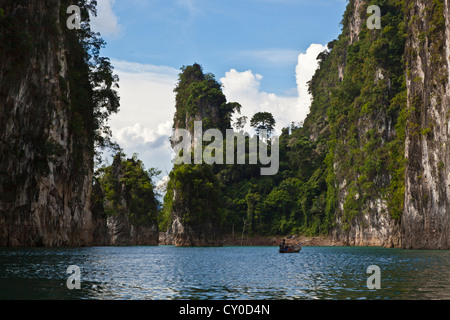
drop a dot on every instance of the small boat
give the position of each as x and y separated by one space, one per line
290 249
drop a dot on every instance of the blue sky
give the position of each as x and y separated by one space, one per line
262 51
264 36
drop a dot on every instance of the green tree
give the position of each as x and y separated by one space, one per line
91 82
263 121
128 189
240 122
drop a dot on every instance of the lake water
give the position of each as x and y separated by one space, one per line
167 272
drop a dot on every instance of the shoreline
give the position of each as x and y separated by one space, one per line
276 240
257 240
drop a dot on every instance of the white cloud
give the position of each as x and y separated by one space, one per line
305 69
139 135
144 122
244 87
106 22
146 94
147 105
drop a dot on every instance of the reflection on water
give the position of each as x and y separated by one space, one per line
167 272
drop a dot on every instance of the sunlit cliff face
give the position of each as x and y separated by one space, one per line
425 222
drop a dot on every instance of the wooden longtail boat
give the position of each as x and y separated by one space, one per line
290 249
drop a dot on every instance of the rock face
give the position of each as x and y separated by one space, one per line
426 219
195 214
375 229
198 235
47 127
101 234
44 200
361 129
121 232
356 20
165 238
374 115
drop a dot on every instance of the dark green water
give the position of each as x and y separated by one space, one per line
167 272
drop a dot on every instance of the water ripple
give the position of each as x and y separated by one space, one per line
167 272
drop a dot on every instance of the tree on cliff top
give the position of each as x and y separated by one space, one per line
263 121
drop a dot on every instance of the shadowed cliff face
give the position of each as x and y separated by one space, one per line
425 221
45 184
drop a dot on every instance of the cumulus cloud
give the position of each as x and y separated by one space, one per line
146 93
106 22
139 135
305 69
144 122
244 87
147 105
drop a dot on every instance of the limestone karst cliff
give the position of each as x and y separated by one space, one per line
426 218
45 162
193 197
56 93
380 101
356 120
